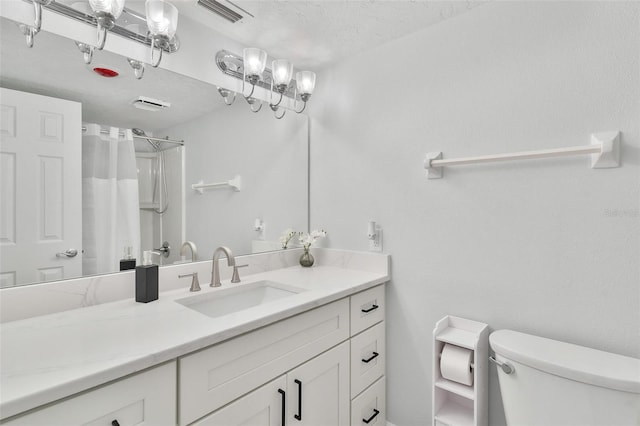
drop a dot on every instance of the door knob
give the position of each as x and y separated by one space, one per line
68 253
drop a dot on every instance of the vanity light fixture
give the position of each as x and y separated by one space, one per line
255 61
106 12
282 75
162 20
156 30
30 31
251 68
305 83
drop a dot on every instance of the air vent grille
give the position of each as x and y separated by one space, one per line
221 10
150 104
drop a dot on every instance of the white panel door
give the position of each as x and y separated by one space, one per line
262 407
318 390
40 188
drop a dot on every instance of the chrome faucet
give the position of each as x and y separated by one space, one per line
192 246
215 273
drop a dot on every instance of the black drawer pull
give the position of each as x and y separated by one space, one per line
115 423
299 415
372 308
368 360
284 413
370 419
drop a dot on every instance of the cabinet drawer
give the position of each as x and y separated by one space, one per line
367 358
367 308
370 406
217 375
147 398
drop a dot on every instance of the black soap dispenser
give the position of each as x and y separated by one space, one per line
146 280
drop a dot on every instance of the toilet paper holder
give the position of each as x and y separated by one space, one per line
448 392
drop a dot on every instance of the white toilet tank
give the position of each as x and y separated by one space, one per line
556 383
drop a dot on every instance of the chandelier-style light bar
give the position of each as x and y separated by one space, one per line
251 68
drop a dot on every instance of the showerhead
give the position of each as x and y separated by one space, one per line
141 133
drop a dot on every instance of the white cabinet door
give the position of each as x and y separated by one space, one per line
40 188
215 376
262 407
144 399
318 390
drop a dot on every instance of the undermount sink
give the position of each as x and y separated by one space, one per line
239 298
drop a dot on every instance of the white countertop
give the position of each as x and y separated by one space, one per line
52 356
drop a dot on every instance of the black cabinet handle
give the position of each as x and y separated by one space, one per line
284 413
115 423
368 360
372 308
299 415
370 419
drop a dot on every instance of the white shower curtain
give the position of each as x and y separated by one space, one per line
110 202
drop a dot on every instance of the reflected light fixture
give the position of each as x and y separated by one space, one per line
87 51
138 67
305 83
282 73
162 20
251 68
255 61
106 12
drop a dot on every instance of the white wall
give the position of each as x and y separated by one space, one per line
271 157
548 247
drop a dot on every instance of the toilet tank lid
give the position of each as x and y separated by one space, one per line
574 362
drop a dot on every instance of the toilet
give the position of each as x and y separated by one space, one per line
546 382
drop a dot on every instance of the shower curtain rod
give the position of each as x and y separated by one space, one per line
149 138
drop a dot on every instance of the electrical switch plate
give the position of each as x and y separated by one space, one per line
376 243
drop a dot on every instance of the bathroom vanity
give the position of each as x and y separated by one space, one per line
290 346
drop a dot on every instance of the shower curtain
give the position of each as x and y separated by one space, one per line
110 202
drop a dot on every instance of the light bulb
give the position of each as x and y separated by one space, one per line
255 60
282 72
306 82
111 7
162 18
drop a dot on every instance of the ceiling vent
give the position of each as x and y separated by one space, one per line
150 104
225 9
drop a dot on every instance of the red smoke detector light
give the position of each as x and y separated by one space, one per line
106 72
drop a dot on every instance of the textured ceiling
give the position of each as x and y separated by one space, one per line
315 34
312 34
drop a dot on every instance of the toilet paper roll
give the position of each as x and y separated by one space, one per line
455 364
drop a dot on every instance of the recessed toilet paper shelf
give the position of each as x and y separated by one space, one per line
460 367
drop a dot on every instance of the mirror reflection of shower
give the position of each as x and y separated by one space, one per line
160 180
161 190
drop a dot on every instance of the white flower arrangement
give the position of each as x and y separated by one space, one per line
286 236
307 239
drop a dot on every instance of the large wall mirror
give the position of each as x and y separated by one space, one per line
113 165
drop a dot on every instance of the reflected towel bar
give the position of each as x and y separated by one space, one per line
235 184
604 150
